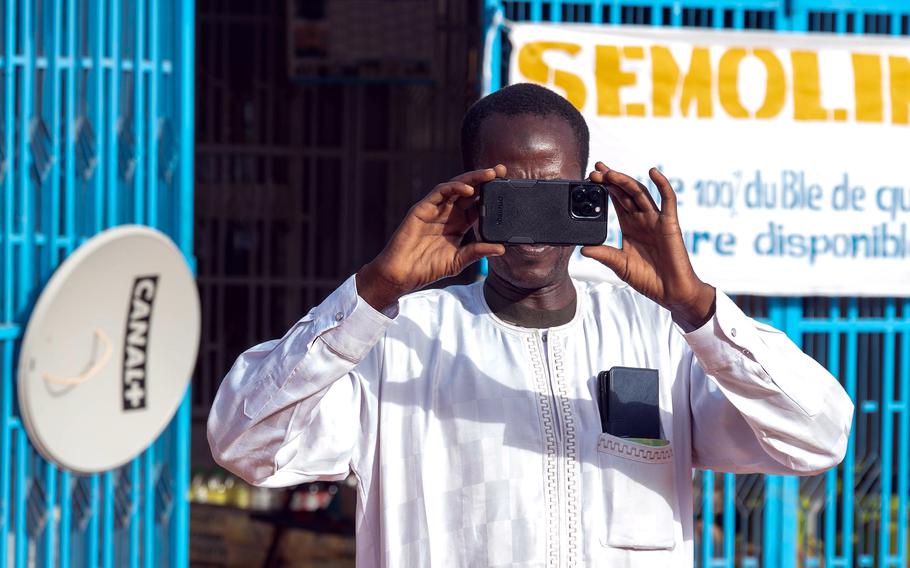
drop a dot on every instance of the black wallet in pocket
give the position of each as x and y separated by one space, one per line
629 402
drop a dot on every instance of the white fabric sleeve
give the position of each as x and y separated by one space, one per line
759 404
299 409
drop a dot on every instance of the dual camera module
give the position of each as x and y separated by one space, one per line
587 201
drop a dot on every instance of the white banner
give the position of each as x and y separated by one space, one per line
790 154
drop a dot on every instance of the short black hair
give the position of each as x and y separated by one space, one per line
514 100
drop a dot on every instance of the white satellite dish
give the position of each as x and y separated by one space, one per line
109 350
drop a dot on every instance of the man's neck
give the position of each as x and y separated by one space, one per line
549 306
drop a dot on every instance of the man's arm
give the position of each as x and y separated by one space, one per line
759 404
295 409
298 409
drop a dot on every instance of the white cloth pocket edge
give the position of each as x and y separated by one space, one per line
638 483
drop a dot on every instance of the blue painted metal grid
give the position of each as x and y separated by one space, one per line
96 131
857 513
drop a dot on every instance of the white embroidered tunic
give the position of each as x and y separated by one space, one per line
476 443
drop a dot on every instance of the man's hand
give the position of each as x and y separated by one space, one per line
653 259
427 244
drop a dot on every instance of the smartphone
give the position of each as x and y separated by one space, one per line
552 212
629 401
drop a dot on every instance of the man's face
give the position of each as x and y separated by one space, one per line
538 147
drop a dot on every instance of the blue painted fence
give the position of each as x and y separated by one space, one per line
856 514
96 101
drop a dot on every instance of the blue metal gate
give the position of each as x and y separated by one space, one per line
96 131
856 514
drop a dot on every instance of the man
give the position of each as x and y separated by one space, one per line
469 416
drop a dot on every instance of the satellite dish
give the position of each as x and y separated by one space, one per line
109 350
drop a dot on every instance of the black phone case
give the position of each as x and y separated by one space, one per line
519 211
629 402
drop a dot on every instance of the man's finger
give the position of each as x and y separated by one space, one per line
635 190
473 252
478 177
667 195
611 257
621 201
450 192
465 203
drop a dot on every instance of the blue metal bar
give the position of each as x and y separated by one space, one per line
771 553
180 537
50 501
187 23
865 325
707 518
153 113
92 526
6 409
9 128
107 521
84 63
148 502
849 463
65 517
903 454
887 418
98 114
840 22
6 388
134 514
26 270
717 20
729 520
615 17
830 518
187 122
9 332
790 485
555 11
139 117
69 198
113 110
51 227
21 496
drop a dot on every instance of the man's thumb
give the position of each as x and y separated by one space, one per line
611 257
473 252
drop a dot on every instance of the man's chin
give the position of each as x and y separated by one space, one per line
531 267
529 276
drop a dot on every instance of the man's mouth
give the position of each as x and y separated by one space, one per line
530 250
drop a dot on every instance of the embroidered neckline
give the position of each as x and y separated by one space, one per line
551 475
572 465
552 463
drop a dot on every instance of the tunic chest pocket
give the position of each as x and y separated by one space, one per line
638 491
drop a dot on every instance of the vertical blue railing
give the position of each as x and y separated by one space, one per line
91 92
863 517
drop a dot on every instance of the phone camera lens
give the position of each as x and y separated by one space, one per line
587 201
